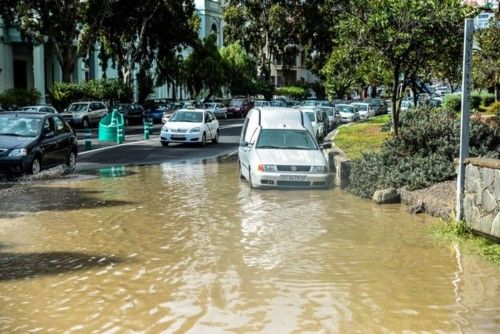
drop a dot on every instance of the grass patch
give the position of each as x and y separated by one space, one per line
361 137
457 232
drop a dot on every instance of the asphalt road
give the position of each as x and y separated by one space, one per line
147 152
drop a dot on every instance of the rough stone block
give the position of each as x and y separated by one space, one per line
487 177
468 204
495 226
475 220
488 202
497 185
478 191
471 175
485 223
386 196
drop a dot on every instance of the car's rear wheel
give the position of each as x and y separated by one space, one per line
164 143
216 138
241 172
36 166
71 162
250 183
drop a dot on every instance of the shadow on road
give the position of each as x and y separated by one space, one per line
40 198
31 265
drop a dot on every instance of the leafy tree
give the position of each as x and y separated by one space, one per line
241 69
405 35
204 68
155 31
487 57
265 29
62 23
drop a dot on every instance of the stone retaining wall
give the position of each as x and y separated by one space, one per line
482 195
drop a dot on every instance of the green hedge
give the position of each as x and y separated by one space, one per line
19 97
487 99
294 92
453 102
62 94
423 154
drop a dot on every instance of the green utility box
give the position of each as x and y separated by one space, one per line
108 126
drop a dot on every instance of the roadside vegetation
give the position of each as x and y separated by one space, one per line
363 137
456 232
423 153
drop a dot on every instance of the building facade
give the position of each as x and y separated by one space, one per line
36 67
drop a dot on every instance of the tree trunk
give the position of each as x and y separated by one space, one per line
395 109
374 91
67 66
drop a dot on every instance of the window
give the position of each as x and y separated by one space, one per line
60 126
48 127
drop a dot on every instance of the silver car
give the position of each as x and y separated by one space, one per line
84 113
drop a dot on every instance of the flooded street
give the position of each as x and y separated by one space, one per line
189 248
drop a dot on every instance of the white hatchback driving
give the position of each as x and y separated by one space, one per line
190 126
281 152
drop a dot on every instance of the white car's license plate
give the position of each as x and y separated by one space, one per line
292 177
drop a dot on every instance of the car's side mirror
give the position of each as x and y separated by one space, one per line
243 143
325 146
49 135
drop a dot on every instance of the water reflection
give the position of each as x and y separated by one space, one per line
197 251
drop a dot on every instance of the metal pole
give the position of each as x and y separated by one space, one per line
465 116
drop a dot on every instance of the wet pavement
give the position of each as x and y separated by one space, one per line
188 247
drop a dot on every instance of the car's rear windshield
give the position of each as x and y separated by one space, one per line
284 139
11 125
311 116
187 116
362 107
343 108
77 107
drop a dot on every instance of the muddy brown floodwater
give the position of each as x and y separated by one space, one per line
189 248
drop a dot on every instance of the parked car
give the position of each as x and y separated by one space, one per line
317 120
407 104
39 108
261 103
325 103
33 141
348 113
133 113
277 149
377 104
217 109
365 110
278 104
190 126
155 111
239 107
84 113
174 106
309 103
333 116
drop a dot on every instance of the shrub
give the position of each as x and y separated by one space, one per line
63 94
19 97
475 101
453 102
487 99
494 109
422 155
293 92
265 89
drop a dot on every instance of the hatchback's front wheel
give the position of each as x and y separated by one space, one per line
35 167
71 162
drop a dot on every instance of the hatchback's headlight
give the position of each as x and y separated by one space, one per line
319 169
20 152
195 130
267 168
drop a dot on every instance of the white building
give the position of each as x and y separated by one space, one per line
26 67
296 72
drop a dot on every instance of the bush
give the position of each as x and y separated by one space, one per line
19 97
62 94
293 92
494 109
453 102
475 101
487 99
265 89
422 155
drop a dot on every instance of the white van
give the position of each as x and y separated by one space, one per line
278 149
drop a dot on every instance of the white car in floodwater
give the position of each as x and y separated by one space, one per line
190 126
281 152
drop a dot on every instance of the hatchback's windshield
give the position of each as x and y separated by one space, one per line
311 116
187 116
329 111
19 126
309 103
78 107
362 107
209 105
342 108
286 139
